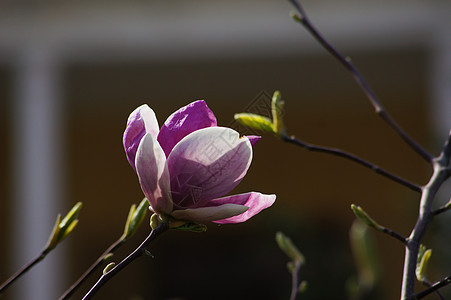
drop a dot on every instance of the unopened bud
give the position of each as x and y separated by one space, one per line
255 122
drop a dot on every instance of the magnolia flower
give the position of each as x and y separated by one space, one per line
186 167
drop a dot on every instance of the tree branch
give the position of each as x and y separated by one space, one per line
439 284
140 251
294 280
425 216
360 161
23 270
346 62
113 247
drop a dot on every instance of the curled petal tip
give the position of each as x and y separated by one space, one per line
254 139
141 121
255 201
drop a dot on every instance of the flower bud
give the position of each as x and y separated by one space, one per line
64 227
154 221
277 113
365 218
108 268
255 122
287 246
423 259
135 217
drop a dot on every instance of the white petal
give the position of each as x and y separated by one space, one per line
206 214
150 120
153 174
207 164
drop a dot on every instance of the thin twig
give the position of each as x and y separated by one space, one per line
140 251
442 209
341 153
346 62
439 284
294 280
23 270
394 234
113 247
428 284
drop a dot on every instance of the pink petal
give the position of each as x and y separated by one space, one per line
253 139
255 201
187 119
207 214
153 174
141 121
207 164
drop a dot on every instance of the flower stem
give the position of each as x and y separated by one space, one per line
341 153
140 251
113 247
346 62
23 270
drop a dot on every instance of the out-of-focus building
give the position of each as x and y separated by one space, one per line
71 72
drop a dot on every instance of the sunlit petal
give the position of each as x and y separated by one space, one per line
206 214
207 164
141 121
255 201
187 119
153 174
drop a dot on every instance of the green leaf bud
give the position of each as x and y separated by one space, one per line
108 268
365 218
365 256
54 236
69 229
291 266
64 227
135 217
108 256
302 287
187 226
71 216
287 246
154 221
423 259
296 17
277 113
255 122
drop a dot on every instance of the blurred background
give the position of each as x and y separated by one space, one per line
71 73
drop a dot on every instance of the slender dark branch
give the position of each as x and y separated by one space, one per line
341 153
346 62
23 270
428 284
424 219
140 251
294 280
439 284
442 209
113 247
394 234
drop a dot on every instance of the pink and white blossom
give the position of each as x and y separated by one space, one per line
188 166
